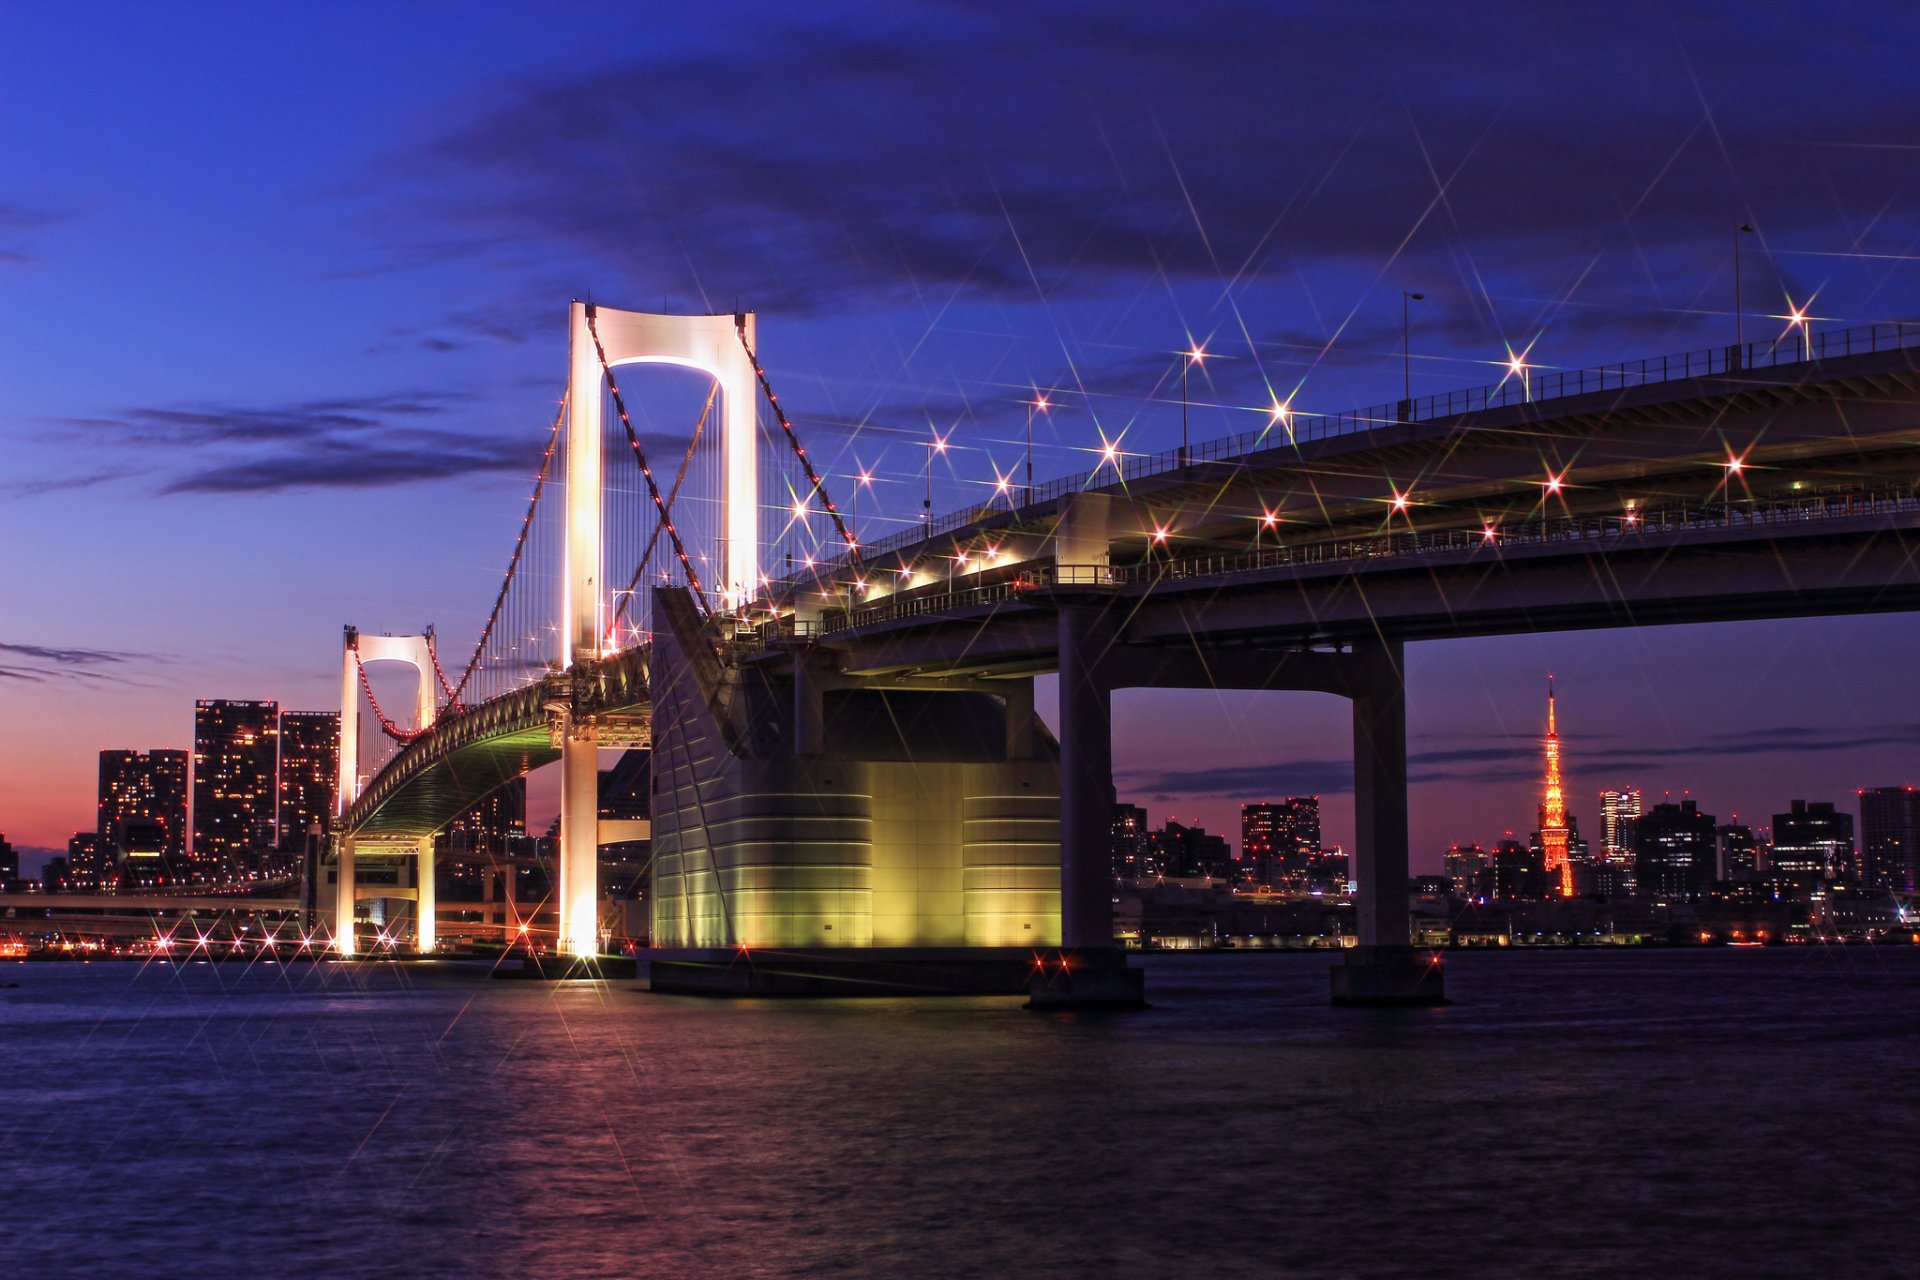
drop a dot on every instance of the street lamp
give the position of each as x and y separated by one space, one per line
862 480
1739 325
1196 354
1406 344
1038 402
936 445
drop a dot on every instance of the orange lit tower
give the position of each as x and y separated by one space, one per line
1553 809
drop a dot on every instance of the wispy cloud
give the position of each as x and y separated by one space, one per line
354 442
41 664
1519 761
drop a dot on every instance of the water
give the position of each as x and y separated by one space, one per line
1702 1113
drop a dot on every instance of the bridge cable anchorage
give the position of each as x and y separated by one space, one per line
454 706
387 726
818 486
673 495
640 456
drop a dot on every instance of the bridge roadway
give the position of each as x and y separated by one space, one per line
1695 493
466 756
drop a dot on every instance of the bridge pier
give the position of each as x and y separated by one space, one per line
425 926
343 900
579 844
1383 969
1089 971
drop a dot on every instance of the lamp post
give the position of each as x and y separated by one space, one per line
1038 402
1407 298
936 445
1739 325
861 480
1196 354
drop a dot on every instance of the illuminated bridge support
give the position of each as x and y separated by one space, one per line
816 833
719 347
344 899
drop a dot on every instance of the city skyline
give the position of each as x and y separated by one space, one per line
318 359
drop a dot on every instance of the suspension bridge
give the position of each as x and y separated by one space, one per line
850 788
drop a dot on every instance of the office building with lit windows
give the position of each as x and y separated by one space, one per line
236 757
1890 837
309 772
142 799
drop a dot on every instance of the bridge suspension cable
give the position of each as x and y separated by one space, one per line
513 567
640 456
653 539
387 726
816 486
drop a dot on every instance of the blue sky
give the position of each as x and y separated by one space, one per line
282 298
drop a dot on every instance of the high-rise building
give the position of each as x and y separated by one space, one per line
1739 854
1812 842
142 790
1890 837
1619 810
9 866
1517 872
1129 843
309 772
1674 856
493 824
236 754
87 866
1463 864
1281 842
1554 834
1193 852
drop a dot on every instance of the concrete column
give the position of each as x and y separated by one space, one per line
426 923
809 709
343 903
1086 780
1019 698
1383 969
579 846
1380 795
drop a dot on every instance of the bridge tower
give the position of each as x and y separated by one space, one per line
356 652
719 346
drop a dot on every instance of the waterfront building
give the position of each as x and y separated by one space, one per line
1812 842
9 865
1739 853
1282 842
1186 852
1259 827
236 756
309 772
1518 873
142 790
1619 810
1675 851
1890 837
495 825
89 865
1129 843
1464 864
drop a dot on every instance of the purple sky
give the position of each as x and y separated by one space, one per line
283 289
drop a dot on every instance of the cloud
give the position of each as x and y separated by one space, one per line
18 220
1517 762
353 442
40 664
955 151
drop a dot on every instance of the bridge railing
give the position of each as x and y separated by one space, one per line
1740 513
1534 385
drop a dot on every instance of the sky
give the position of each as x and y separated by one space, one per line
283 298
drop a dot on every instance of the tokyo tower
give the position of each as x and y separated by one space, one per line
1553 809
